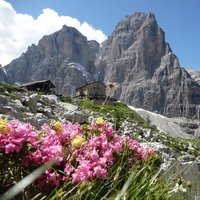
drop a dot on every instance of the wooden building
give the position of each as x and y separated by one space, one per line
44 86
95 90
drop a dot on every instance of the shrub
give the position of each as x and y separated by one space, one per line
81 154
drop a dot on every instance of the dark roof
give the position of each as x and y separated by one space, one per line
91 84
36 82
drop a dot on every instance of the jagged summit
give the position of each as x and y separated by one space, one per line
135 56
135 21
53 59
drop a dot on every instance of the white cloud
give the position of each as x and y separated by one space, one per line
18 31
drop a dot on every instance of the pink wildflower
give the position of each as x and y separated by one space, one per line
99 171
82 154
18 134
49 178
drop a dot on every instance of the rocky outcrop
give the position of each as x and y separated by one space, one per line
64 57
2 74
147 72
183 170
195 74
38 109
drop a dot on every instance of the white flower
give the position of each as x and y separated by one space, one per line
178 188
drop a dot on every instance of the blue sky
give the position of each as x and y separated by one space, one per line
180 19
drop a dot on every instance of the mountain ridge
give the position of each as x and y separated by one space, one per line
149 75
135 56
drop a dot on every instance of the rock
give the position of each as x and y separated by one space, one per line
19 105
36 119
146 70
186 168
2 74
12 111
195 74
51 99
76 116
38 109
3 101
197 133
31 102
187 172
95 47
186 158
7 117
166 154
68 112
148 134
51 59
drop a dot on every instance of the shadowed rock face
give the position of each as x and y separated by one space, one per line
57 57
135 56
148 74
195 74
2 74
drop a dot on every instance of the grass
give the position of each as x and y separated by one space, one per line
123 183
10 88
65 99
119 110
138 182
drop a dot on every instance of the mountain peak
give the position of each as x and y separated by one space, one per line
51 59
135 21
135 56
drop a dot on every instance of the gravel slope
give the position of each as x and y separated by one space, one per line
164 124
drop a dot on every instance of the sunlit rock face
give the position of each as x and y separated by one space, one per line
195 74
148 74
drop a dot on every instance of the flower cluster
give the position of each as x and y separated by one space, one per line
15 134
81 153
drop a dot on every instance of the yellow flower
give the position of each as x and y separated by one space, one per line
111 84
78 141
3 126
56 125
100 121
189 184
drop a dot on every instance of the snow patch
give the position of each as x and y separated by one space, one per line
164 124
79 67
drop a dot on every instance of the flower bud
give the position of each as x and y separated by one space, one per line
100 121
189 184
78 141
56 125
3 126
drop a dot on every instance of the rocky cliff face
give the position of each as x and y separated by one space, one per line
64 57
2 74
135 56
147 72
195 74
